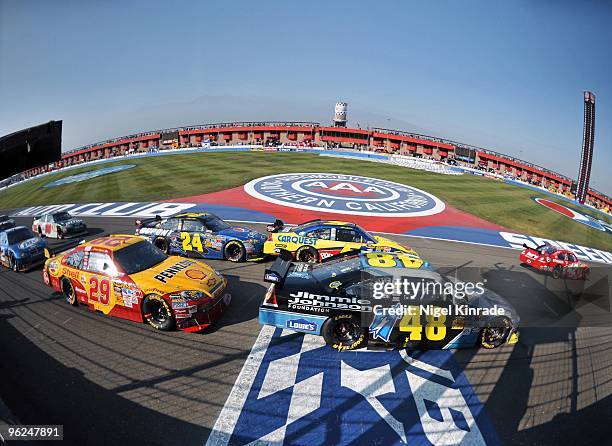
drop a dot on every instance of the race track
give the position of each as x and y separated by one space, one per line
110 381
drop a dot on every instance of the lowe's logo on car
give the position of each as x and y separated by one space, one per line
301 325
294 390
80 177
344 194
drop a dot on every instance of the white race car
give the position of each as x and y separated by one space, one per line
58 225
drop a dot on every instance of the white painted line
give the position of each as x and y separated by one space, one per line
227 419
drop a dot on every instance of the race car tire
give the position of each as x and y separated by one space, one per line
12 263
494 333
162 244
40 232
157 313
60 233
68 292
557 272
307 254
234 251
344 332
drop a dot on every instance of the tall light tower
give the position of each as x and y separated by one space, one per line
588 139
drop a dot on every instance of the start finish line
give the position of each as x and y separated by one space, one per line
295 390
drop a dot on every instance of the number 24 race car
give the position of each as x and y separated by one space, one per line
127 277
202 235
561 263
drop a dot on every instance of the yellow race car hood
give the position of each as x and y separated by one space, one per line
177 274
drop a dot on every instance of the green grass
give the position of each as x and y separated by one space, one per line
175 176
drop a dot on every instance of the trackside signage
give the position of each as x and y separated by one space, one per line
167 209
344 194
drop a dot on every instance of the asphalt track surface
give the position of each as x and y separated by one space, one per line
110 381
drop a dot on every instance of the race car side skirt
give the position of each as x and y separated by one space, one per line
304 323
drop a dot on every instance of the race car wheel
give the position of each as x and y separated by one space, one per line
68 291
12 263
60 234
344 332
40 232
556 272
234 251
495 333
162 244
157 313
307 254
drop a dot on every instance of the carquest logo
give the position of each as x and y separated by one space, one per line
344 194
80 177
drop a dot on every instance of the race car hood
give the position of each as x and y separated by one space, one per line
29 245
388 242
242 233
178 274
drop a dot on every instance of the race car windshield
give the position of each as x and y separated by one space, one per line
335 268
62 216
19 235
138 257
215 224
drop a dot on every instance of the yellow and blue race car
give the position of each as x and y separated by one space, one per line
316 240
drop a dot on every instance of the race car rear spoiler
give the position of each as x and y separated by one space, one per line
139 223
54 250
278 271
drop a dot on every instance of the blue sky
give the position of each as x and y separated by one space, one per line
506 75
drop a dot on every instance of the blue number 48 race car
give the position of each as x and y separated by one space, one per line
334 299
202 235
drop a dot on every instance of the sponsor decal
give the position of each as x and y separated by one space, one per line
80 177
345 194
303 300
272 277
302 325
196 274
173 270
383 323
574 215
297 239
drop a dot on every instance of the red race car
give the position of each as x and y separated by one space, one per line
559 262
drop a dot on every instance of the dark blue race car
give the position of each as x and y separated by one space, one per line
202 235
20 249
6 222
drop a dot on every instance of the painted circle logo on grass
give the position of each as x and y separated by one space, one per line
574 215
80 177
344 194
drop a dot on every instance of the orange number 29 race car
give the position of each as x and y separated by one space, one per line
126 276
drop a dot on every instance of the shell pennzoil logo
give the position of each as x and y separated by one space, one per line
344 194
196 274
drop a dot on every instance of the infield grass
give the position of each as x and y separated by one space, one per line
175 176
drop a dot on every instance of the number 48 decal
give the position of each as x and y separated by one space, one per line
435 330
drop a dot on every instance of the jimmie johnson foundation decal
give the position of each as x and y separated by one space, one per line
344 194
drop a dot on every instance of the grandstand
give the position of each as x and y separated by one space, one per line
314 134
